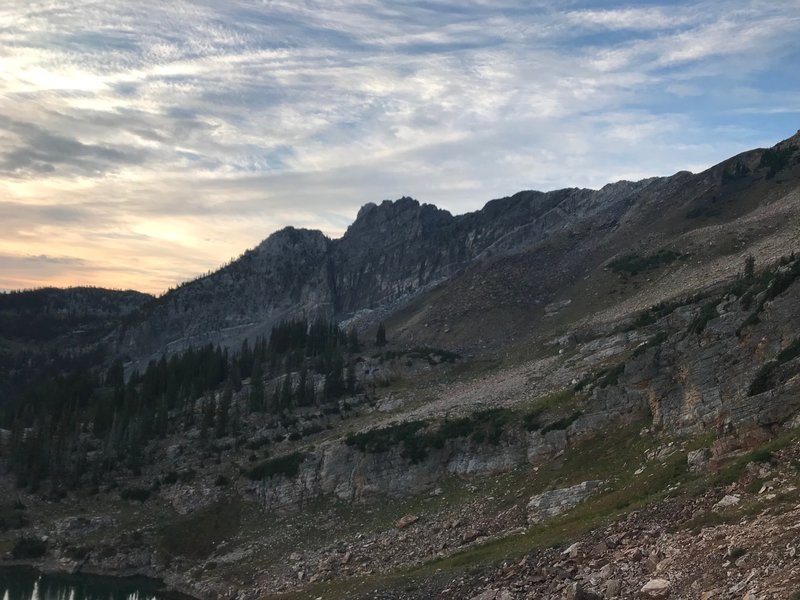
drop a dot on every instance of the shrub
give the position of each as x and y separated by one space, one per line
653 342
186 475
610 376
776 159
739 171
257 443
762 456
288 465
735 553
704 212
562 423
312 429
791 352
707 313
531 420
198 534
762 381
633 263
484 427
28 547
754 486
384 439
138 494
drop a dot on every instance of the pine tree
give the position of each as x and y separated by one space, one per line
353 344
223 411
350 378
334 384
302 387
286 392
256 388
749 268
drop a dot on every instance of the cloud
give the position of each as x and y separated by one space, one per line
131 132
36 152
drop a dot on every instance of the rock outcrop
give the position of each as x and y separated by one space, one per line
551 504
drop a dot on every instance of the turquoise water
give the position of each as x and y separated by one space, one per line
21 583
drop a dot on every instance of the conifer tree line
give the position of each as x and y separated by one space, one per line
59 423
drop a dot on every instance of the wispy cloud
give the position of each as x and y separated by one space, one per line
135 131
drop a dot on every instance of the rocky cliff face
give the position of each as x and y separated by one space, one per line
339 471
287 275
390 254
516 255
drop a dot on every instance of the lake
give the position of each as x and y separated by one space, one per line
23 583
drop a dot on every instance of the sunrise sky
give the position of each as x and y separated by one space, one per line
144 143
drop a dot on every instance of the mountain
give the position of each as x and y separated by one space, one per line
47 330
510 259
580 394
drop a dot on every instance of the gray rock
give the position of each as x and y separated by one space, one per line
727 500
613 588
697 460
550 504
656 588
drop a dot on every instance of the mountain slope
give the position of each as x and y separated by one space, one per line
510 259
627 375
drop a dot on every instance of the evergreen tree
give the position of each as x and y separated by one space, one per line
286 392
350 378
256 388
749 268
353 344
334 382
223 411
380 336
302 387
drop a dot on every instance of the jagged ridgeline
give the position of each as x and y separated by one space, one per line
81 425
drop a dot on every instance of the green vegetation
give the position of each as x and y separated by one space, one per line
562 423
287 465
765 377
632 264
704 212
28 548
380 335
12 517
417 438
137 494
776 159
659 311
49 419
707 313
384 439
738 171
653 342
602 378
197 535
433 356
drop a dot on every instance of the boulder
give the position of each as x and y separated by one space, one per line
728 500
406 521
698 460
655 588
551 504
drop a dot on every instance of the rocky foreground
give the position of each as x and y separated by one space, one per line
735 541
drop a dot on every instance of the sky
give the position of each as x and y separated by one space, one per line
143 143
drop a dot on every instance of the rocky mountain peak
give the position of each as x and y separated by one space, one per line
293 238
405 214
